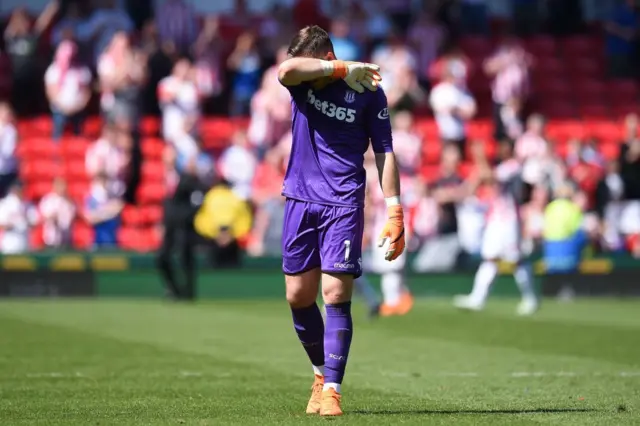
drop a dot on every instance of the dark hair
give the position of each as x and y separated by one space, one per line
311 41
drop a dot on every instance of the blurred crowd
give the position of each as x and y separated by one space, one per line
79 59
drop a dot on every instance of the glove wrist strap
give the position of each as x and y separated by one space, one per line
392 201
335 69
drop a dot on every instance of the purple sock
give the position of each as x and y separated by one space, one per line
310 328
337 341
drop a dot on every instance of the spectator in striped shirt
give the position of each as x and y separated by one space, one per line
57 212
177 24
8 144
453 106
109 157
407 144
68 89
509 68
533 153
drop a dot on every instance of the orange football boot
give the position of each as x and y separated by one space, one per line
330 405
313 407
387 310
405 304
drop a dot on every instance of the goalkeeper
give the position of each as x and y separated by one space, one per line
337 109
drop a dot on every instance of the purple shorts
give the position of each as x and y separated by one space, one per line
328 237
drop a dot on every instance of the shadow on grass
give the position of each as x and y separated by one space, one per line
488 411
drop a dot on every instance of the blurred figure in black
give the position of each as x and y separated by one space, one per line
179 235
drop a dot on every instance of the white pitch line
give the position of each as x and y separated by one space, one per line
515 374
393 374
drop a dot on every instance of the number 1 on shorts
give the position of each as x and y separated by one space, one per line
347 250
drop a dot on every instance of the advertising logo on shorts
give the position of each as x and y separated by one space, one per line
340 265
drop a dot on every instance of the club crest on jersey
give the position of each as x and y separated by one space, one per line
384 114
350 97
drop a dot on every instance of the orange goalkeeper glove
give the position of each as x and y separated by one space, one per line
393 233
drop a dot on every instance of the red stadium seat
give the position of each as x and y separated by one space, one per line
153 214
605 130
624 91
622 109
153 238
82 235
561 149
480 129
36 242
427 128
592 89
585 68
541 46
152 148
562 131
133 216
595 111
476 46
75 170
24 150
153 171
559 109
430 173
610 150
431 150
42 147
581 46
548 67
78 191
151 193
36 190
39 127
552 87
92 127
127 237
150 126
466 168
46 169
74 147
30 170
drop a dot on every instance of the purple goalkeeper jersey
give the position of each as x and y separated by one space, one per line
332 127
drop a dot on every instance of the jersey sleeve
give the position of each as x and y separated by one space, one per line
299 92
378 123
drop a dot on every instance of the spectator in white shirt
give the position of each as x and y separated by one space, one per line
16 219
509 68
68 89
237 165
532 150
270 109
180 103
399 78
122 72
453 106
8 141
57 212
109 156
407 143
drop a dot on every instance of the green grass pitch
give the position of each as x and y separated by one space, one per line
127 362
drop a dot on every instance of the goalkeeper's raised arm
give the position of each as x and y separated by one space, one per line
358 75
